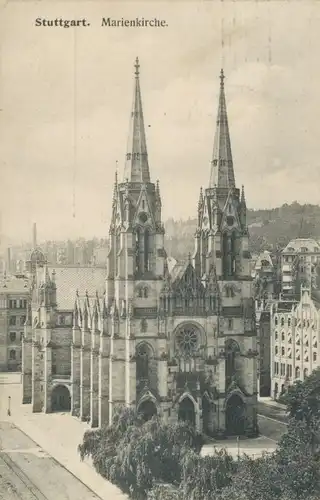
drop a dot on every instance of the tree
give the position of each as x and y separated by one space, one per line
135 455
303 398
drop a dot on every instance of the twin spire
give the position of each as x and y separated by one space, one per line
222 174
136 162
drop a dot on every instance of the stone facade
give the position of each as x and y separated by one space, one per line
295 329
14 296
174 340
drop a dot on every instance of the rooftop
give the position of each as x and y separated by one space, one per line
12 284
302 245
70 280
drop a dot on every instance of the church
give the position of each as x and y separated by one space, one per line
176 340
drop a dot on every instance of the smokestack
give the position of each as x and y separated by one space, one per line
34 242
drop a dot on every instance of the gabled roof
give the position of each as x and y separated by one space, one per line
69 280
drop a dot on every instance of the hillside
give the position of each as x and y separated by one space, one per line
269 229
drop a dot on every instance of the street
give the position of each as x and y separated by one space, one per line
28 472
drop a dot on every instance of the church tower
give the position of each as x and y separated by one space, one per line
222 241
136 258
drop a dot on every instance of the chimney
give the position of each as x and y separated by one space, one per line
34 235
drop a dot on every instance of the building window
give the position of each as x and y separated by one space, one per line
230 324
305 373
276 320
12 354
297 373
21 335
12 320
283 369
62 320
282 321
276 335
22 320
282 336
276 368
13 336
282 351
314 356
289 321
276 350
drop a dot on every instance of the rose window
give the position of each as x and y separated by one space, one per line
187 342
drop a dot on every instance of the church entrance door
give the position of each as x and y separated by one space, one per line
187 412
235 416
148 410
60 399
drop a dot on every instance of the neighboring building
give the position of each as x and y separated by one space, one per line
295 340
299 261
176 339
14 295
263 325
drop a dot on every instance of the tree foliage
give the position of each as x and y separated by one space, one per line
153 460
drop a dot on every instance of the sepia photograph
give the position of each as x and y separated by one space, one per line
159 250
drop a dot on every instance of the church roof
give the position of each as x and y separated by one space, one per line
69 280
222 174
137 166
178 271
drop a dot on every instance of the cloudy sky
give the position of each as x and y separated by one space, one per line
65 99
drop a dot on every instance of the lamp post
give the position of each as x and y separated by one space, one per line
9 406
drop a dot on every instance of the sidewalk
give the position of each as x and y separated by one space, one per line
270 402
59 435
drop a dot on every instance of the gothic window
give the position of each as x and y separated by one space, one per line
230 324
187 340
276 320
12 321
276 335
231 348
143 362
297 372
282 336
146 250
276 350
146 293
289 321
282 351
282 321
138 249
128 156
305 373
12 354
314 356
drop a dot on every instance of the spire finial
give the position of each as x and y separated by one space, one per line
222 77
116 174
137 67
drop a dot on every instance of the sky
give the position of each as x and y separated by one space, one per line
66 97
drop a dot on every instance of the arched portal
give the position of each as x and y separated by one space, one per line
186 411
235 416
60 399
147 409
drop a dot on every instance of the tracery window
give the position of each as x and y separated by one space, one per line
187 340
143 357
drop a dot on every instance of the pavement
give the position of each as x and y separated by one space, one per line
58 435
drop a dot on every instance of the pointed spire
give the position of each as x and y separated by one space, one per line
136 166
200 198
222 174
